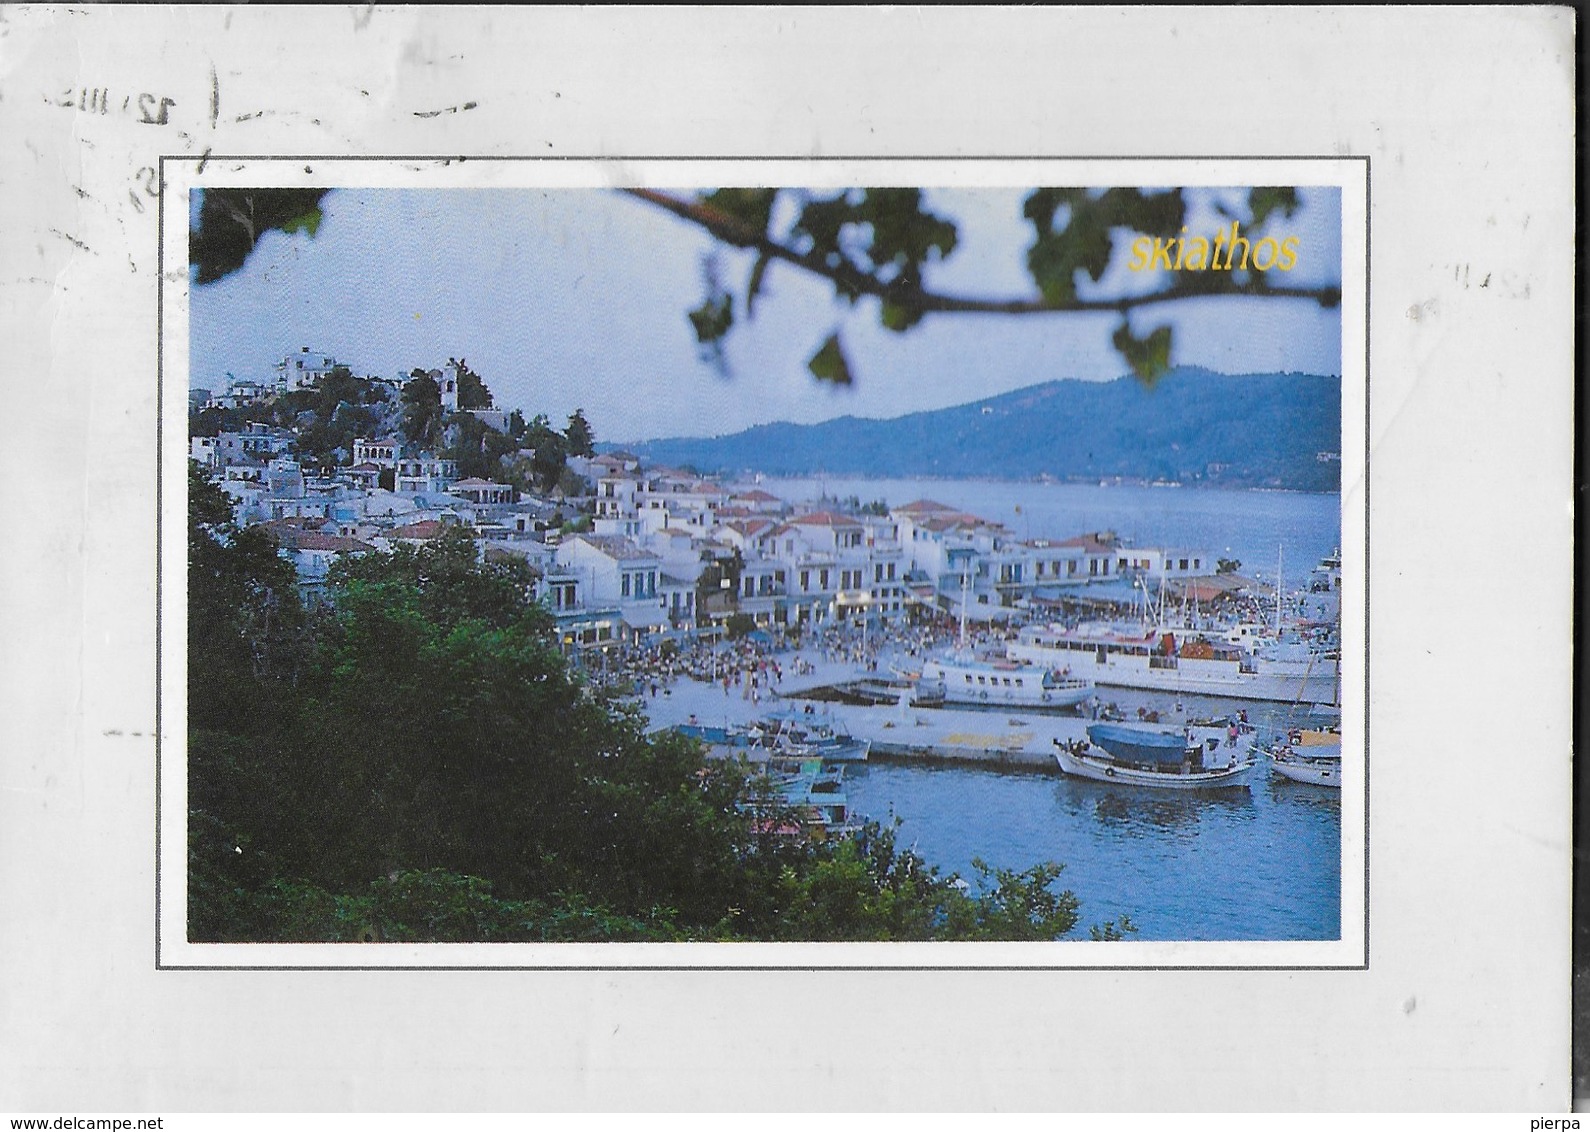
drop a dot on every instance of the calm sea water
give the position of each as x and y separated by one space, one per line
1246 525
1260 864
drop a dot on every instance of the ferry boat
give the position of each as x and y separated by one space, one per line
1185 662
1308 756
1181 759
966 680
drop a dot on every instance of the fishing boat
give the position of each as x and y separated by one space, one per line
1013 683
1308 756
810 800
784 735
812 736
1179 759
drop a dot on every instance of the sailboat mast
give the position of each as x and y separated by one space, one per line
1278 560
966 589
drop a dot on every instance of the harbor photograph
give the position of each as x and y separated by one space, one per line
586 569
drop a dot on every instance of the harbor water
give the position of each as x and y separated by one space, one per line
1260 863
1257 864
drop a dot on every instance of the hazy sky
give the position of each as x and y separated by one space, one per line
565 299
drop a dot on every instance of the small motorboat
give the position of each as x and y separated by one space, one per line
1308 756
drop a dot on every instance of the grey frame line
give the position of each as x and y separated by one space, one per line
208 157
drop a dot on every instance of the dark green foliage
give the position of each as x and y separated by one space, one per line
472 390
581 440
326 418
752 207
478 449
422 410
711 322
739 625
1111 930
1264 200
419 764
231 222
879 243
1074 228
1149 357
829 364
551 453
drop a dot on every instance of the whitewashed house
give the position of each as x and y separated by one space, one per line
303 370
618 572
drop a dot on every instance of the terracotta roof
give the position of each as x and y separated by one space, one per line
752 528
953 521
756 495
314 540
294 523
424 529
288 536
922 506
824 519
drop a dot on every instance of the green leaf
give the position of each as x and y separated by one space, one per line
754 288
1074 230
829 364
712 318
307 222
1149 357
1264 200
231 222
752 206
898 318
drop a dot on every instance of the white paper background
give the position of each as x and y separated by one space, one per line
1466 117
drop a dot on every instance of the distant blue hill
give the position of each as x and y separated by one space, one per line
1192 426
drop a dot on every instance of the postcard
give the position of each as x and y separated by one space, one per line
768 559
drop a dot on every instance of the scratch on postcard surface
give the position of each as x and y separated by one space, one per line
73 240
445 110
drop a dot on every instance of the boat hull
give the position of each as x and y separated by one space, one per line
993 685
1003 697
1278 682
772 742
1101 769
1310 756
1315 772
